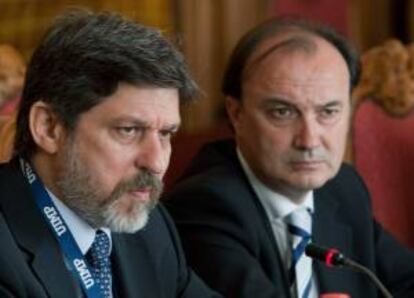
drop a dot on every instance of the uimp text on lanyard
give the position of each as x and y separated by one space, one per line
77 263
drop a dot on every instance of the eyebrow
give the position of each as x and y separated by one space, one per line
172 128
280 101
276 101
332 103
142 123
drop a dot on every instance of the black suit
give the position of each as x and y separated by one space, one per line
146 264
229 241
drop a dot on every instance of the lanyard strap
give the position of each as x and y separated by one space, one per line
77 264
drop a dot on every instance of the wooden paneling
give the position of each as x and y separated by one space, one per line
23 22
208 30
410 20
333 13
371 22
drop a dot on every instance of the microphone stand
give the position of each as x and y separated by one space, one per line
359 268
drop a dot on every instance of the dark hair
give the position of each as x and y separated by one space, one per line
82 59
232 80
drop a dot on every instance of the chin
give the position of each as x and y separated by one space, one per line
311 183
127 217
129 222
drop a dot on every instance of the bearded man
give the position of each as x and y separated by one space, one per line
99 106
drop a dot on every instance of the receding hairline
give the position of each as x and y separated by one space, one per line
291 40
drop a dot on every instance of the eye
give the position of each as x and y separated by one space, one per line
329 114
128 132
167 133
282 113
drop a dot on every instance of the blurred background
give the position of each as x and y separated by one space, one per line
207 30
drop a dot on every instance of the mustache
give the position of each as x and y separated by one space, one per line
143 180
309 155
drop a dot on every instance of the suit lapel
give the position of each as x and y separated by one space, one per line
329 231
33 236
274 263
133 269
51 270
271 259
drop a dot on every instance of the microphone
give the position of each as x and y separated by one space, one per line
333 258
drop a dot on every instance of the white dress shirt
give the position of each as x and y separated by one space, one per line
82 232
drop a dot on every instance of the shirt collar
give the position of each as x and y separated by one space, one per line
275 204
81 231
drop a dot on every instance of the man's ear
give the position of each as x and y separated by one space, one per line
234 108
45 127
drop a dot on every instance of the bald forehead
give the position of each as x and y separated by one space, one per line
290 42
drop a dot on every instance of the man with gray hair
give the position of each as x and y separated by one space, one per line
78 201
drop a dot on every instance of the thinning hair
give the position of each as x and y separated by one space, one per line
299 42
298 32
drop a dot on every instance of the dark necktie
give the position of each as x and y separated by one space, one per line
98 257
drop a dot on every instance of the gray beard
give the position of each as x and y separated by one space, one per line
81 193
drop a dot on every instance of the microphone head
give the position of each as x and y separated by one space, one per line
329 256
332 257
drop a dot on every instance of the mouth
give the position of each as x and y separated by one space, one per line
307 165
142 194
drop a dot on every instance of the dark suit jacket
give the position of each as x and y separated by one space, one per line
149 263
229 241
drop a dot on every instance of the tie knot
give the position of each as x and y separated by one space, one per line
299 219
100 249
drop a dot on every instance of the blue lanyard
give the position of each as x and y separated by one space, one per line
71 250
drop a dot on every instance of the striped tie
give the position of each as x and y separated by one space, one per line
300 271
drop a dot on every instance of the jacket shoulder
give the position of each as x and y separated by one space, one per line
347 183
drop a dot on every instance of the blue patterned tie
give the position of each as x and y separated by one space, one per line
98 257
300 272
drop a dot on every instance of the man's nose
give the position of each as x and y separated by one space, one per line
153 154
308 134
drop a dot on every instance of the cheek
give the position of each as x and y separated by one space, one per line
271 149
266 140
166 159
106 164
274 141
338 137
335 145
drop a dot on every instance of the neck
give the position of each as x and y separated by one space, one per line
296 196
